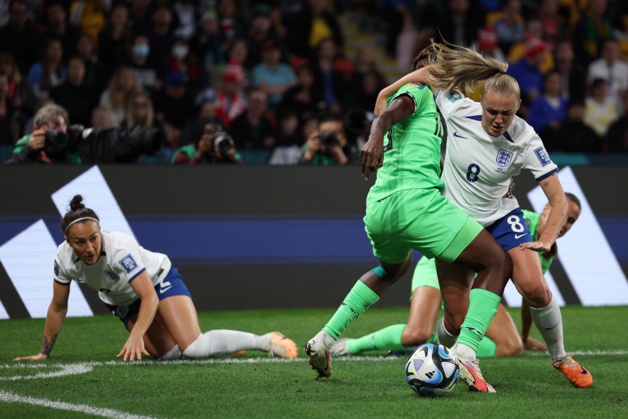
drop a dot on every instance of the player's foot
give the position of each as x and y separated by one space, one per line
403 351
341 347
471 374
575 373
279 345
319 350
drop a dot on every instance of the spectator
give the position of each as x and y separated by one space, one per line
190 131
257 34
213 146
611 68
554 24
273 76
8 131
366 62
122 87
303 98
114 39
527 71
600 110
534 29
591 31
20 92
253 128
328 145
74 94
230 18
549 109
186 16
140 16
19 38
573 135
100 118
572 74
143 66
509 26
210 42
49 71
327 79
37 148
96 71
173 104
229 99
30 122
616 140
289 138
88 16
461 23
487 44
312 26
182 60
57 28
141 113
161 35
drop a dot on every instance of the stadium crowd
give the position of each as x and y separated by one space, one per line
258 82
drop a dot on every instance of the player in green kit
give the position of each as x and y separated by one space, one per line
502 337
405 210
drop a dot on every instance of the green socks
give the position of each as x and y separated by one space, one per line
486 349
482 308
356 302
388 338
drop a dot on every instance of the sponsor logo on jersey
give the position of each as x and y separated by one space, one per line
111 276
504 157
128 263
542 155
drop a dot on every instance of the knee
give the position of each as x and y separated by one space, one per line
414 336
512 347
537 295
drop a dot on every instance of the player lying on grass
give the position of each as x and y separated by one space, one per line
144 290
487 145
502 338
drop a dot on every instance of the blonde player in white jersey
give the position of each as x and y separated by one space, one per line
487 144
144 290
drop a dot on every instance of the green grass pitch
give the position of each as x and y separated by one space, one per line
84 379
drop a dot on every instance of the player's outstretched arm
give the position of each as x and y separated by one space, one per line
556 219
134 346
417 76
54 322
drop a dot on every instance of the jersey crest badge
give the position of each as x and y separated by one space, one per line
453 96
128 263
57 269
504 157
111 276
542 155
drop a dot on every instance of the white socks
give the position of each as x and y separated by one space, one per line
173 353
444 337
550 323
221 342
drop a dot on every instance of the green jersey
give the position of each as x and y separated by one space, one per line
412 148
533 223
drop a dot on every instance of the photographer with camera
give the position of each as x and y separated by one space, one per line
215 146
329 145
49 142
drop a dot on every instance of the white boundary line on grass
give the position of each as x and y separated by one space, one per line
5 396
85 367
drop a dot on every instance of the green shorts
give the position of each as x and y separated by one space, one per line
420 219
425 274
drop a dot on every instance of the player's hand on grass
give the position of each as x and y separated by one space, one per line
38 357
133 348
533 344
539 246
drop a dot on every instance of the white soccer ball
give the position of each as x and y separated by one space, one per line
432 370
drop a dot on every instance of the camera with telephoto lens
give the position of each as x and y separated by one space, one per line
329 138
104 145
222 142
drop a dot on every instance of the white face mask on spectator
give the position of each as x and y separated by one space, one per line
179 51
141 50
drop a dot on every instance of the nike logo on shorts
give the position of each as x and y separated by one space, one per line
518 236
162 290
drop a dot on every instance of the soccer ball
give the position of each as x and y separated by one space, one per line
432 370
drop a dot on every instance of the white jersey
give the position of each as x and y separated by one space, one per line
121 260
478 167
